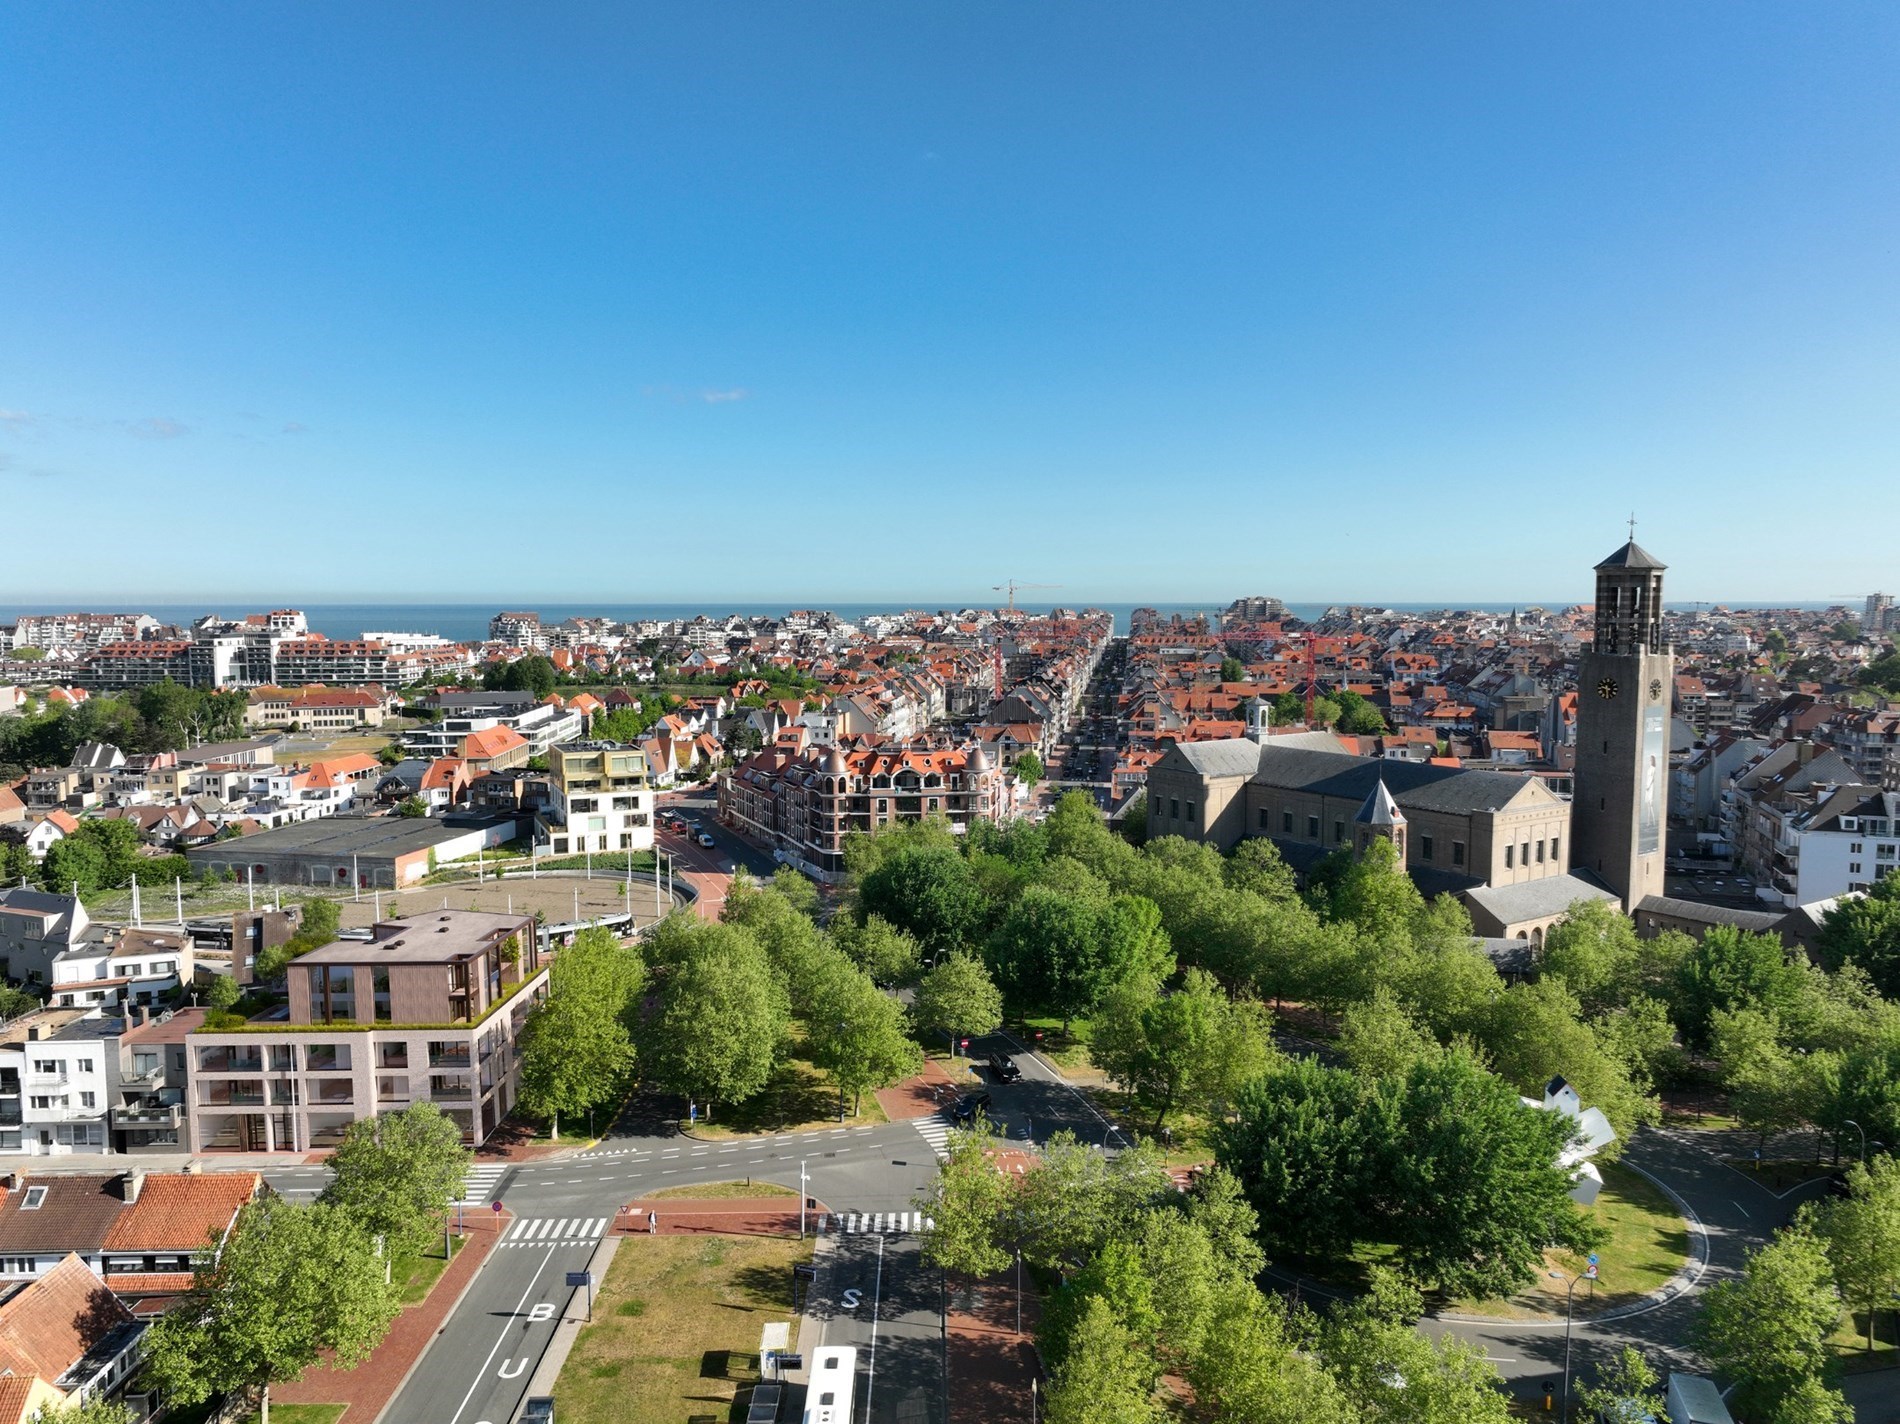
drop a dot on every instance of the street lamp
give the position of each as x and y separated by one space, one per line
1849 1122
1570 1295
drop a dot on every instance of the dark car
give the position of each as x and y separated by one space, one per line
1003 1068
965 1108
538 1410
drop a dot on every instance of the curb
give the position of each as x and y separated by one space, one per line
568 1332
454 1305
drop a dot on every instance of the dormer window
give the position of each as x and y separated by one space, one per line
34 1199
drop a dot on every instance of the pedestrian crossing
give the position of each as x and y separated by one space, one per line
481 1183
554 1231
848 1223
936 1131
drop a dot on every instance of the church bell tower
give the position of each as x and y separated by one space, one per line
1625 683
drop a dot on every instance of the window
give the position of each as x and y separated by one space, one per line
1190 810
1540 852
1553 848
47 1066
88 1100
1853 867
1508 856
1524 854
1854 848
1174 809
35 1199
1312 827
1457 852
1286 822
1339 832
1265 820
1424 847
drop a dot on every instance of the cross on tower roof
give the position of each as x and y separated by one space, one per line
1632 526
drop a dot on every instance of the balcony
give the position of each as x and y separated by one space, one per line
147 1117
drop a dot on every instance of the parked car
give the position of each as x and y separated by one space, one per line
1003 1068
964 1110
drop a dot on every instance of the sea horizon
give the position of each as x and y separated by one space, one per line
464 622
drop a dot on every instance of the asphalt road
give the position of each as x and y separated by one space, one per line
874 1294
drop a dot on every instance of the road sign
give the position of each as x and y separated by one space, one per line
577 1279
495 1207
1593 1258
966 1043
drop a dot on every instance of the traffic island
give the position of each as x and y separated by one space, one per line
677 1322
720 1209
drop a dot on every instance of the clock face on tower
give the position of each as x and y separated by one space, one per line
1655 688
1606 689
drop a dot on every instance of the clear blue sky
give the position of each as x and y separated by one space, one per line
1171 302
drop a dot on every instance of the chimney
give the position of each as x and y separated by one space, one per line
131 1184
13 1181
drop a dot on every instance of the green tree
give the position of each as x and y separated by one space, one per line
1232 669
721 1025
1862 1235
965 1210
1391 1374
1866 931
926 891
856 1032
880 949
1251 1368
14 1002
1626 1380
1728 969
958 997
221 992
1883 673
1775 641
1258 866
396 1174
96 1410
1297 1145
1379 1039
317 924
1594 950
412 808
74 863
1027 768
1105 1376
1194 1045
1075 1200
17 865
1768 1329
1357 717
1535 1032
1467 1181
576 1049
290 1285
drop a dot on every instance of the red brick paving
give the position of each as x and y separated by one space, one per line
722 1216
366 1389
920 1096
991 1364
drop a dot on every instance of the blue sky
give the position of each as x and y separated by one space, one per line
510 302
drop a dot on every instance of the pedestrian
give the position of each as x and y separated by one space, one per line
653 1223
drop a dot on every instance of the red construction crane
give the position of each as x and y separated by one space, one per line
1312 675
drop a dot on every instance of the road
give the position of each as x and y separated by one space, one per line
479 1366
875 1294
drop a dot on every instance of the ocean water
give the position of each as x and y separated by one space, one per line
468 622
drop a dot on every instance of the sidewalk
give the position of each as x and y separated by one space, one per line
367 1388
991 1362
921 1096
718 1216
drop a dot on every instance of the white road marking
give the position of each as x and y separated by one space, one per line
1742 1209
877 1296
482 1373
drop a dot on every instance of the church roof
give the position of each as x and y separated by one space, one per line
1632 556
1380 809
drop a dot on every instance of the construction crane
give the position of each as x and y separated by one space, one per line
1011 586
1312 675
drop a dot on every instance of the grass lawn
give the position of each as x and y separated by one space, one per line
415 1276
303 1414
1068 1051
721 1191
676 1329
1781 1174
1193 1136
1849 1343
1648 1244
799 1098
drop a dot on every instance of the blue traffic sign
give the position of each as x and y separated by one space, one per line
1593 1258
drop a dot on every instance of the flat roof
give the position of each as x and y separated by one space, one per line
388 836
426 938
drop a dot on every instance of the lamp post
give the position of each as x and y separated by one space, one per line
1570 1295
802 1199
1849 1122
841 1032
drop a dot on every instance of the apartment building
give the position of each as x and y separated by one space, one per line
1850 840
802 804
601 799
318 709
465 714
58 1079
356 661
36 928
429 1009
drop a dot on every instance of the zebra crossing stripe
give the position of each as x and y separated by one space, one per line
516 1230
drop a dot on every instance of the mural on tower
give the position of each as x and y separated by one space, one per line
1649 805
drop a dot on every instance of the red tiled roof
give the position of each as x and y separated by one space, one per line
176 1212
48 1325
